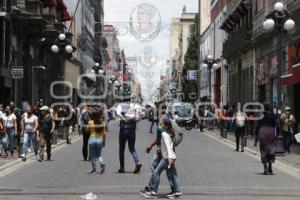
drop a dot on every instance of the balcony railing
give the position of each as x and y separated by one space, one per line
237 40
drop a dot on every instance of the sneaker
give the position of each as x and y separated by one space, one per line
22 155
121 171
148 194
174 195
29 150
93 172
102 166
137 168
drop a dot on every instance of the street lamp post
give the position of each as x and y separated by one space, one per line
209 62
98 71
62 45
280 21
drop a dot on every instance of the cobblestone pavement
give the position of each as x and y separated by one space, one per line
208 169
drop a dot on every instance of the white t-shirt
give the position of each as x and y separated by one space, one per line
8 121
167 147
29 123
1 113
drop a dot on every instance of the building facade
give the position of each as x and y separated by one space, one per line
238 51
266 59
211 43
181 29
28 49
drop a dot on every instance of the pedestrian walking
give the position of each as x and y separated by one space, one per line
10 124
266 131
166 161
222 121
153 116
240 122
3 136
96 128
288 121
46 129
66 121
29 132
128 120
19 130
84 119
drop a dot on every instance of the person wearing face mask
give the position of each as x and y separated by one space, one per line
10 124
46 129
29 129
288 122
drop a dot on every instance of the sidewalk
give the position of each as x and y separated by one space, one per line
292 159
9 162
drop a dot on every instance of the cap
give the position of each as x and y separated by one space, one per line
44 108
287 108
17 110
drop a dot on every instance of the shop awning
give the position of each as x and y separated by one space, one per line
293 78
61 6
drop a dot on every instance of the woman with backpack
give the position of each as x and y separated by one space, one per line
239 120
96 127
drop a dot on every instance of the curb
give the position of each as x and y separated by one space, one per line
283 167
19 160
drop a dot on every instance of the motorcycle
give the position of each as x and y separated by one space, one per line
188 122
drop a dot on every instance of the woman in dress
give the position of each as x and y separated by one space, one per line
266 131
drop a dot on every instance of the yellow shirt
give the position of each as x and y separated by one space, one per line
93 132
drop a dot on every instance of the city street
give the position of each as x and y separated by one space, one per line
208 169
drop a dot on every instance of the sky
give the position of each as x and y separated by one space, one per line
118 12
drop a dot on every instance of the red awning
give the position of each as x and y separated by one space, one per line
293 78
61 6
48 3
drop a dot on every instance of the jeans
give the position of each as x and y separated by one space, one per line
124 135
4 139
172 177
86 137
95 147
240 135
45 138
11 138
152 124
171 174
30 136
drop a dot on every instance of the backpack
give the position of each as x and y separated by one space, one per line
240 119
177 138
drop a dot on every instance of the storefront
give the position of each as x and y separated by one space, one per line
72 72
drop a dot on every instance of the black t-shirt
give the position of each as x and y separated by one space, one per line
46 124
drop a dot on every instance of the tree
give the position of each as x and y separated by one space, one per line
191 63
